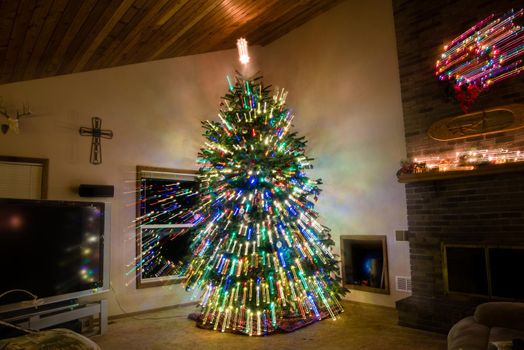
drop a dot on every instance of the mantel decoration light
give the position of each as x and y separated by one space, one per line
464 160
482 56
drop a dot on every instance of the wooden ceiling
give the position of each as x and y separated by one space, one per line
43 38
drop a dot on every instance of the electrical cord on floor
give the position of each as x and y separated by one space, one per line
139 318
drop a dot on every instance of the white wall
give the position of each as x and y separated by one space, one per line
341 71
155 111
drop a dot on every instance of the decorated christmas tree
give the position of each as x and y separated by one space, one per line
260 259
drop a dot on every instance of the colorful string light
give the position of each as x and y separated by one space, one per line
260 257
482 56
464 160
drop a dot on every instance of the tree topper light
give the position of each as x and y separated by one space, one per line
243 55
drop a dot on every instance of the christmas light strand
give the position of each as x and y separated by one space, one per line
463 161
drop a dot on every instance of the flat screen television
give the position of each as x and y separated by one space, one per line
56 250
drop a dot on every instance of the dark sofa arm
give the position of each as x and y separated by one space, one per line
501 314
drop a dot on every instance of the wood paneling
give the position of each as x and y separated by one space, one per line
42 38
47 30
103 33
139 27
21 23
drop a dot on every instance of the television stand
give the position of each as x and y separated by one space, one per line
46 316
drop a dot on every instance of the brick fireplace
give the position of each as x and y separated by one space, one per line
482 211
477 211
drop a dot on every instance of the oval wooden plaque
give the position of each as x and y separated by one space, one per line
489 121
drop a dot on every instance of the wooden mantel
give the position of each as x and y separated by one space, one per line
445 175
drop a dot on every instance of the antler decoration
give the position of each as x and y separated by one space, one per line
12 121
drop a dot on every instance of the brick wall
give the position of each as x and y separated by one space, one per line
423 28
483 209
471 210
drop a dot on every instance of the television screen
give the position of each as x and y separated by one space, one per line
50 248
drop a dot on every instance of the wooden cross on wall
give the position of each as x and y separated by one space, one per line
97 133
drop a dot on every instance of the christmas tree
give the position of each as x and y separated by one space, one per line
259 256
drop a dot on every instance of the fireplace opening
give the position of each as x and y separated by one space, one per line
489 271
466 267
507 275
364 263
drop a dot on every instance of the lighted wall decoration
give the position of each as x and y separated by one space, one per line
485 54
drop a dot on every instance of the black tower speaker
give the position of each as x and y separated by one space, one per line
96 190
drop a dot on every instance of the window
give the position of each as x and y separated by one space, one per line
23 178
165 198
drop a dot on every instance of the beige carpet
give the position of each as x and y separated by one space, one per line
360 327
